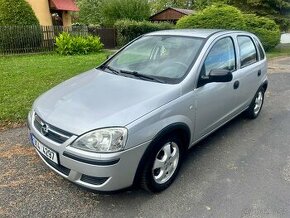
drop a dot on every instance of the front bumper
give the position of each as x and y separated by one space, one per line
102 172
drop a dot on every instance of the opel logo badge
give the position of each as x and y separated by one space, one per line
44 129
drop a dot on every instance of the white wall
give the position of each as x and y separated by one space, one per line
285 38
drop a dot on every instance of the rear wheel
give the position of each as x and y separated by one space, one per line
256 105
162 165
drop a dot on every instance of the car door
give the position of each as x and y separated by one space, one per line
215 101
249 75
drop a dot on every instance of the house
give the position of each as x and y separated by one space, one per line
53 12
170 14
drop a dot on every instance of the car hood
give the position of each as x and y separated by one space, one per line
97 99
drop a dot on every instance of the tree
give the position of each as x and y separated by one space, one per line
221 16
89 11
18 12
113 10
159 5
274 9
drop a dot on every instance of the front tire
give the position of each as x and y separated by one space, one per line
256 105
162 164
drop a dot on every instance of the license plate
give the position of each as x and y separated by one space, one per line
51 155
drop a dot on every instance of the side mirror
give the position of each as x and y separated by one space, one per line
219 75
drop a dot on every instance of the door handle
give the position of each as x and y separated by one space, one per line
259 73
236 84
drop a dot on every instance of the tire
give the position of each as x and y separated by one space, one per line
162 164
256 105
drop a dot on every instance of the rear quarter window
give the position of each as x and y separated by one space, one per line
260 49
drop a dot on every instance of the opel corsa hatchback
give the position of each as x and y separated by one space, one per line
132 119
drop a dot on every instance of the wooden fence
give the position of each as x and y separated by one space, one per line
33 39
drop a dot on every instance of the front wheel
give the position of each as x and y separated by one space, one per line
162 165
256 105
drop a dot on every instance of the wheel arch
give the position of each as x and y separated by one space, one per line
181 129
265 85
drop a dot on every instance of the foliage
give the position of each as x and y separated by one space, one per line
159 5
266 29
217 16
25 31
274 9
25 77
89 11
128 30
228 17
67 44
18 12
114 10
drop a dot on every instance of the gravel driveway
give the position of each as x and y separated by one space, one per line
242 170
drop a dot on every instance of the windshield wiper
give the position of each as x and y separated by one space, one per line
111 69
139 75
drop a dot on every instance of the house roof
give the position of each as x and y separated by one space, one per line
64 5
179 10
184 11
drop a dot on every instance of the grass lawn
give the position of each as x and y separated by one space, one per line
23 78
280 50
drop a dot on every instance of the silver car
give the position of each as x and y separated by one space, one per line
132 119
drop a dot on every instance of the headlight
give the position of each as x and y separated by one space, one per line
102 140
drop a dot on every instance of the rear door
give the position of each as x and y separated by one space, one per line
249 75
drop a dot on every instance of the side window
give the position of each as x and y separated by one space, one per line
248 51
221 56
261 51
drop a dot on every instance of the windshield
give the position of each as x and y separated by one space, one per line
163 58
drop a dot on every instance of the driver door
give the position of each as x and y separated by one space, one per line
215 102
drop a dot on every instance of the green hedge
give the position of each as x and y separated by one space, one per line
20 30
128 30
67 44
216 16
266 29
220 16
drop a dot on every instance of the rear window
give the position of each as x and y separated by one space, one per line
248 52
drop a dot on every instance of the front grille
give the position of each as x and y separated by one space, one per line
58 167
53 133
93 180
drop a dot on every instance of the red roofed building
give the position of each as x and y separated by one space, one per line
170 14
53 12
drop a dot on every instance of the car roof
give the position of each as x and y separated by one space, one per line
201 33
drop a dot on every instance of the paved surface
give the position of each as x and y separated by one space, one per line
242 170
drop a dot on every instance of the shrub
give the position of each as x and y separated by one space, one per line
128 30
217 16
23 31
13 13
67 44
266 29
221 16
114 10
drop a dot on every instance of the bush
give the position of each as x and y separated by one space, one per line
13 13
217 16
128 30
114 10
221 16
23 31
266 29
67 44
